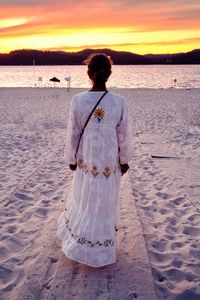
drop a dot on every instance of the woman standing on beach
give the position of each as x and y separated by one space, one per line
99 156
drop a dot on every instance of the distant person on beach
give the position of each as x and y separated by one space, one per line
175 82
98 149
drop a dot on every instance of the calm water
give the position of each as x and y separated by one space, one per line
156 76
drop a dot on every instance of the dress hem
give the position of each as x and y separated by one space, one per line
87 264
83 262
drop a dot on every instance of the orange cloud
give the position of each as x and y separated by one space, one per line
139 21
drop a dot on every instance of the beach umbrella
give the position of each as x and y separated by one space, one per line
54 80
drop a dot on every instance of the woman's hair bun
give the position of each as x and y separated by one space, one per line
98 58
99 66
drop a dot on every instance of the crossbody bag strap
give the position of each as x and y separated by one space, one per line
88 120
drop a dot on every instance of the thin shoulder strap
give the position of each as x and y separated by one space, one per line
89 119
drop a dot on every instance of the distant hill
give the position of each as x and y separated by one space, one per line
26 57
192 57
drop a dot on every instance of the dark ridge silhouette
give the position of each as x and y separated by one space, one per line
26 57
192 57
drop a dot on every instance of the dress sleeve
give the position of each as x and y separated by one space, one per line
124 134
73 134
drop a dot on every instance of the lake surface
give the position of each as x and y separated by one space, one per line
131 76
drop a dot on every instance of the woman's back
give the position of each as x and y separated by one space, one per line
99 144
111 105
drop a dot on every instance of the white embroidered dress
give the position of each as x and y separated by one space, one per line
87 226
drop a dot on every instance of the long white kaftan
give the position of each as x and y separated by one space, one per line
87 226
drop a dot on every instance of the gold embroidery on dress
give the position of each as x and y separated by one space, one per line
99 114
80 163
94 171
83 240
107 172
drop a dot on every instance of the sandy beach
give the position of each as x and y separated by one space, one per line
159 226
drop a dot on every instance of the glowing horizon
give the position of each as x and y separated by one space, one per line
139 27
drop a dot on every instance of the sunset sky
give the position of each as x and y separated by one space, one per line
154 26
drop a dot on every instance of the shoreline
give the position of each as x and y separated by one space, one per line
109 88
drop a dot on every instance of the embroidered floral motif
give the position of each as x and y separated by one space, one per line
83 240
107 172
94 171
99 114
86 168
106 243
80 163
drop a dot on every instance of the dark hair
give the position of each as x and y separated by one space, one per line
99 67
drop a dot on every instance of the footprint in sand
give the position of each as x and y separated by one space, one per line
179 200
4 252
45 202
176 245
15 243
21 196
27 233
9 277
177 263
174 274
163 195
41 212
12 229
195 253
191 231
5 274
